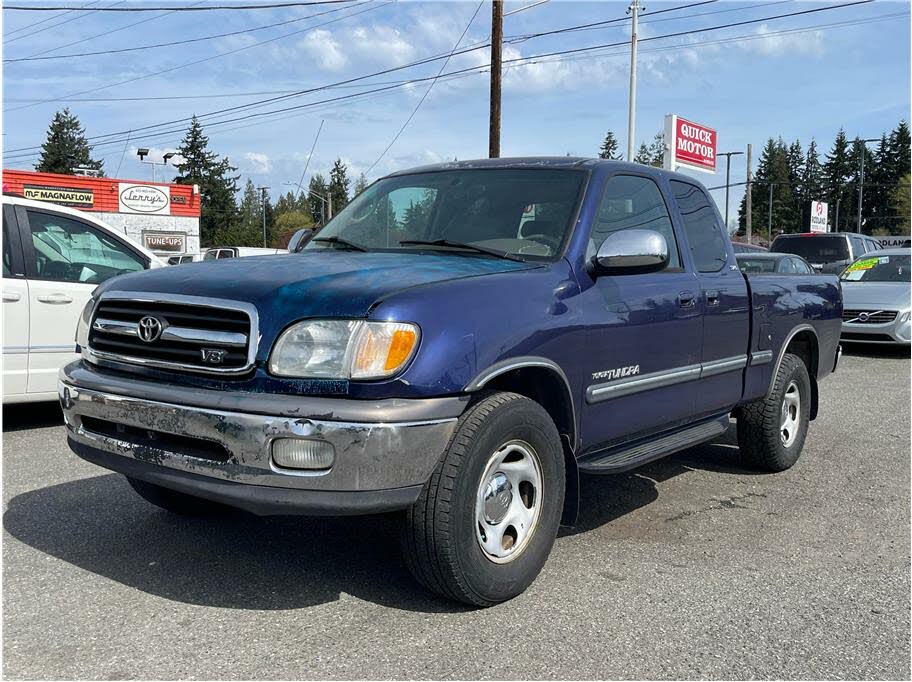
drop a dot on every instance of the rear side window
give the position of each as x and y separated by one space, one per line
707 243
633 202
7 251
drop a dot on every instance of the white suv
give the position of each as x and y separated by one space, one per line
53 257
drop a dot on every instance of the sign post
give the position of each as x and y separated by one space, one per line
818 216
689 145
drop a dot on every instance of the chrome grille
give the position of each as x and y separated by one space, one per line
868 316
211 336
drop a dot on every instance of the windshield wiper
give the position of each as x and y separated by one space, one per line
339 241
463 245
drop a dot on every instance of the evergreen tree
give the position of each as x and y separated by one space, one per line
316 197
609 148
338 185
643 155
217 183
901 204
657 150
360 185
66 146
836 173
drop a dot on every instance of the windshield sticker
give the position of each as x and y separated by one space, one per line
865 264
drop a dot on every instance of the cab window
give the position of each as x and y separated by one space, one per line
704 233
68 250
633 202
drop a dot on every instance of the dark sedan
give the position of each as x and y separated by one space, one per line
778 263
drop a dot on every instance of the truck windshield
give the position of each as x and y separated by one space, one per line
814 249
524 213
878 269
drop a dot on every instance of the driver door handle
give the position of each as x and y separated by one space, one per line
686 299
55 299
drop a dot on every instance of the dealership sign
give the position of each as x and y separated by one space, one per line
65 196
144 199
689 145
171 242
818 216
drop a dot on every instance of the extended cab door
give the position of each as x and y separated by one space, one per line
65 259
726 305
15 311
646 329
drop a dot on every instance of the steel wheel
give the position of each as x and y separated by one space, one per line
508 502
790 414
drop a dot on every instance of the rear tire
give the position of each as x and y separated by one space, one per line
486 520
771 432
173 501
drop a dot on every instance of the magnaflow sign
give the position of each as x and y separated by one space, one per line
144 199
688 144
818 216
65 196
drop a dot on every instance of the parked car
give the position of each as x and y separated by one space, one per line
184 258
781 263
742 247
464 366
53 257
219 252
829 252
877 294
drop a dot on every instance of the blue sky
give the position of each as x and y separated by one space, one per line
799 77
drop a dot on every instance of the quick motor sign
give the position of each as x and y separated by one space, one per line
690 144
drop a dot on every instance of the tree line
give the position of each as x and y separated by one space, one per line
228 215
794 177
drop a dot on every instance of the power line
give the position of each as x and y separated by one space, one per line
529 60
59 23
209 58
428 91
187 41
190 8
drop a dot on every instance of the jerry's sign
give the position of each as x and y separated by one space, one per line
144 199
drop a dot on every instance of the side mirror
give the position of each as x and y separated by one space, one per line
299 239
629 251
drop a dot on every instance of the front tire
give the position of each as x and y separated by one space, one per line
485 522
771 432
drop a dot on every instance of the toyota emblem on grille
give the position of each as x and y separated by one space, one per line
150 328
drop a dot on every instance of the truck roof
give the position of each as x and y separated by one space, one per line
544 162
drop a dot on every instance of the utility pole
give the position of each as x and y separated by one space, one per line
263 195
633 10
496 47
728 156
769 218
747 200
864 150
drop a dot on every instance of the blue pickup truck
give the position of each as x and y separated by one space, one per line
458 344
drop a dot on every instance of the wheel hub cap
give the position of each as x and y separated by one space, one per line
790 415
508 502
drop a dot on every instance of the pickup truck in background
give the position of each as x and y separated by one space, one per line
460 343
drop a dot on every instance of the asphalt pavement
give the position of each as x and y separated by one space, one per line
691 567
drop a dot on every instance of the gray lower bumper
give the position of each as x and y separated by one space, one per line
383 450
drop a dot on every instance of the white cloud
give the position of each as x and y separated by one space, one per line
807 43
257 162
324 49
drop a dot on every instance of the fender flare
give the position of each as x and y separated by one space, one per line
785 343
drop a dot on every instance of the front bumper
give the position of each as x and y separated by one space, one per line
895 332
186 440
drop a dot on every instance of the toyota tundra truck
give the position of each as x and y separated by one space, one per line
459 344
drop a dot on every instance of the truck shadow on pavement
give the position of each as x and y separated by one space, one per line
244 562
31 416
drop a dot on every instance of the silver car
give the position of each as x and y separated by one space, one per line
876 293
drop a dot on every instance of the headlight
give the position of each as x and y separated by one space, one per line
85 319
343 349
904 317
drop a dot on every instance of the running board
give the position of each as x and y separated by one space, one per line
629 456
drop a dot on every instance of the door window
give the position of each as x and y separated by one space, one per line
787 265
704 233
801 267
68 250
633 202
7 250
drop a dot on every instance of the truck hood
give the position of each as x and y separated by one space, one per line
876 295
324 283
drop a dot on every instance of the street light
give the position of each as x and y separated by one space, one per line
864 150
143 152
728 156
769 215
263 195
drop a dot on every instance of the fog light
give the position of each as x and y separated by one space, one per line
297 453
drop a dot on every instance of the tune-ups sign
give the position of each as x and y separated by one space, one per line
689 144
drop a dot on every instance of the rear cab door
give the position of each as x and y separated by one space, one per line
15 310
724 295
